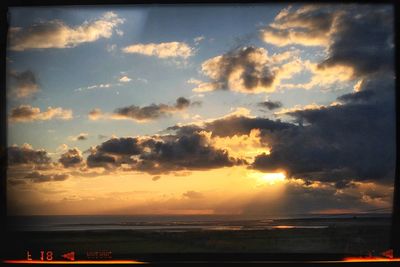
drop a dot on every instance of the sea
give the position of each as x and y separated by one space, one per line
182 223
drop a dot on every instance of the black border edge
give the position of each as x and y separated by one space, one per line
395 236
28 3
3 120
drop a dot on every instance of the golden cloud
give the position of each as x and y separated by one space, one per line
308 25
27 113
56 34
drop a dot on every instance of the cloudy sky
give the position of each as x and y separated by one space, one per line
259 110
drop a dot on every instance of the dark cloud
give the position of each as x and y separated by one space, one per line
60 177
73 157
359 36
81 137
363 38
377 89
184 129
182 103
360 97
23 84
153 111
121 146
100 160
270 105
38 177
23 113
15 182
243 125
156 178
161 154
27 155
184 153
348 142
353 141
340 184
307 25
250 61
234 125
114 152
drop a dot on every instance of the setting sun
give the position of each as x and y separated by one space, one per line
274 177
270 178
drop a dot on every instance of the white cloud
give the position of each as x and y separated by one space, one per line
111 48
198 39
95 86
143 80
125 79
119 32
161 50
193 81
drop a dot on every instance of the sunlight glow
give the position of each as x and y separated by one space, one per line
273 177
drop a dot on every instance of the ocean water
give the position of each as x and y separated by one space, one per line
186 223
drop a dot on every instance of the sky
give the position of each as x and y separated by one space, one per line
253 110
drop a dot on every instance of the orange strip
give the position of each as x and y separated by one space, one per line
371 259
355 259
73 262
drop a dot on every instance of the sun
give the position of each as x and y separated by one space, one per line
270 178
273 177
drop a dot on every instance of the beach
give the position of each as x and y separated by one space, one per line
349 236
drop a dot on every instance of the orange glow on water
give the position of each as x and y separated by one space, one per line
284 227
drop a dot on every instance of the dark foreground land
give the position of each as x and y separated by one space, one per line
354 237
